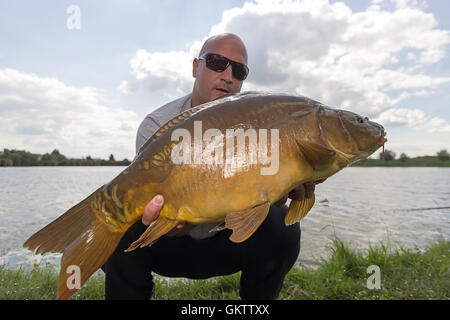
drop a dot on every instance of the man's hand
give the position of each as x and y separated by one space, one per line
151 213
305 190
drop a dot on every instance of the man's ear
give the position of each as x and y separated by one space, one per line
194 67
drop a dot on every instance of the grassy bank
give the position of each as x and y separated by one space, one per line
414 162
404 274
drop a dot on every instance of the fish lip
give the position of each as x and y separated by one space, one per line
382 139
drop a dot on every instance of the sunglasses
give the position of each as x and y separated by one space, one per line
219 63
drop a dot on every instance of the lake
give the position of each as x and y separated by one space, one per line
362 206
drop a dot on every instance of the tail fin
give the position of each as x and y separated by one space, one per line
84 241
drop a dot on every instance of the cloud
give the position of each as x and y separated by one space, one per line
41 114
366 61
166 72
413 118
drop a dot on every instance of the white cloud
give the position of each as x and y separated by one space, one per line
402 117
40 114
413 118
437 125
319 49
167 72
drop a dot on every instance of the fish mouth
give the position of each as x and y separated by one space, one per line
382 141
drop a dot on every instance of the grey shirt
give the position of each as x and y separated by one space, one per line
151 123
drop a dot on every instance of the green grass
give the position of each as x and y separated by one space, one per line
428 162
404 274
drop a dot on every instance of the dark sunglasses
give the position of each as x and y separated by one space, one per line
219 63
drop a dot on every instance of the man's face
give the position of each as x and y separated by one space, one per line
210 84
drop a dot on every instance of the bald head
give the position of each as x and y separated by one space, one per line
224 40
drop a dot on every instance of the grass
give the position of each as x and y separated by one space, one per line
428 162
404 274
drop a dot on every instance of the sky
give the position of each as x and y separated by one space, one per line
80 76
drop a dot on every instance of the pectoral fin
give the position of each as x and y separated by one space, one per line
156 230
315 154
218 227
298 210
244 223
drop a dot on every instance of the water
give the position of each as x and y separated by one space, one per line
362 206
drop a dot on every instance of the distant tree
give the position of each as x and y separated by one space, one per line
388 155
18 158
46 157
56 156
6 163
111 157
403 157
88 158
443 155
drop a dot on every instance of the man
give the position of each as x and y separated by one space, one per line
192 251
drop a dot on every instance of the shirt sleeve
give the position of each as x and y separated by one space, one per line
147 128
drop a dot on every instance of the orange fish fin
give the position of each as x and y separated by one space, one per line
86 244
154 231
84 256
245 223
315 154
298 210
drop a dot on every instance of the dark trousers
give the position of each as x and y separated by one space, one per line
264 259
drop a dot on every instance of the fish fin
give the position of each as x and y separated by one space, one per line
298 210
244 223
154 231
315 154
85 255
218 227
84 241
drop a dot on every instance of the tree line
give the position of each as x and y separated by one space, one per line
22 158
389 158
389 155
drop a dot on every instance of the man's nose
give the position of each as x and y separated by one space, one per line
227 74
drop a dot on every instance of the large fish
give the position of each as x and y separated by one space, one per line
224 161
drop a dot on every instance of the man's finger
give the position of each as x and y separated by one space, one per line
151 210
